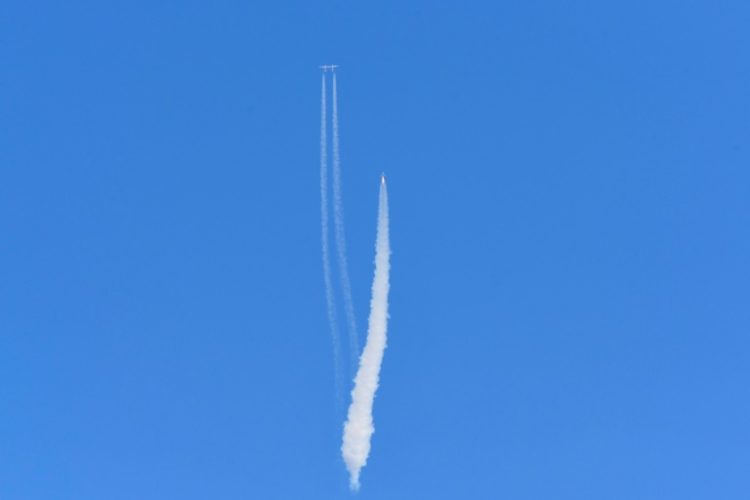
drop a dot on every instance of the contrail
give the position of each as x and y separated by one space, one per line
330 301
338 219
358 428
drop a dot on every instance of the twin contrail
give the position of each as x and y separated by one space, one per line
330 302
358 428
338 219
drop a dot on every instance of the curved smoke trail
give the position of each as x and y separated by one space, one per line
338 219
358 428
330 301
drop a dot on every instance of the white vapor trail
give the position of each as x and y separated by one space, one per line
330 301
338 219
358 428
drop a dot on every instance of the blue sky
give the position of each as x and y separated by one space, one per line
569 193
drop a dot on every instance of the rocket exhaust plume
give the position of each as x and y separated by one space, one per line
338 219
330 301
358 428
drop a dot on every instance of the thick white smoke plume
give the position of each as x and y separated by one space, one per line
358 428
330 301
338 220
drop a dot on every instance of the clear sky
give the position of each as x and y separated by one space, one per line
570 206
